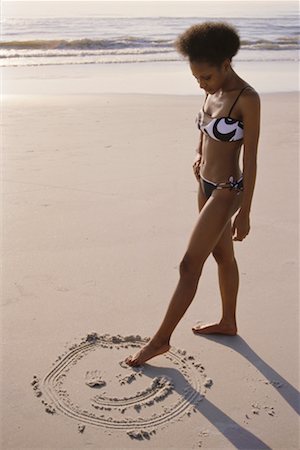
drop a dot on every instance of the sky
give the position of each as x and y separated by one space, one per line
139 1
177 8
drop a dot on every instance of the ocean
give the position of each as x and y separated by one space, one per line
76 34
100 35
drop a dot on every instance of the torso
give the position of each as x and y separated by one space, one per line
220 160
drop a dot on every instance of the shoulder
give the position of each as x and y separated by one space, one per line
250 103
250 96
250 110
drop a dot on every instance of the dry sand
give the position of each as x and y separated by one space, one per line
99 200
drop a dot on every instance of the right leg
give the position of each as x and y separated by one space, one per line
228 281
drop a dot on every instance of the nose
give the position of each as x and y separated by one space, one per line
201 85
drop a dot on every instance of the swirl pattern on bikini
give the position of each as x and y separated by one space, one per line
137 400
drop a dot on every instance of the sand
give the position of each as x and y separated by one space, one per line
98 202
60 387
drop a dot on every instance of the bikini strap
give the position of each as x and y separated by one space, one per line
236 100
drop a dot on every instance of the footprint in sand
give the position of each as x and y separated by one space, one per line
94 379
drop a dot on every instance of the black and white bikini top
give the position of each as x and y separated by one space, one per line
223 129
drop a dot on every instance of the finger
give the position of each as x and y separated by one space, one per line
236 235
238 238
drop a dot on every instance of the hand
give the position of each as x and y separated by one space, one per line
241 226
196 166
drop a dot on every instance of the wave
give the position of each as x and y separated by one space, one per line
83 44
69 53
128 49
131 42
124 60
282 43
77 63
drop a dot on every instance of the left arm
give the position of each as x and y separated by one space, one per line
250 105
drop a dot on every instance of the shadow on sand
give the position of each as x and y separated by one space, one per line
239 436
286 390
235 433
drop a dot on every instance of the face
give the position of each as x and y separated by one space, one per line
209 77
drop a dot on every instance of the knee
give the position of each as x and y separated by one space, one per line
190 268
223 257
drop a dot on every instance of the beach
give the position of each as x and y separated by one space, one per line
98 204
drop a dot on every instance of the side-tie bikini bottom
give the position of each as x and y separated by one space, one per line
231 184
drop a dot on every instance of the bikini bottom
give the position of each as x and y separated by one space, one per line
231 184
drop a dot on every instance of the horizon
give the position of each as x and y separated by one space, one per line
144 8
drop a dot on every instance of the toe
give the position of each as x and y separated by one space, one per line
197 330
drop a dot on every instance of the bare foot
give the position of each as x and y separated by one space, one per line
147 352
216 328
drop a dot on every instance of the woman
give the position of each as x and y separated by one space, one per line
230 118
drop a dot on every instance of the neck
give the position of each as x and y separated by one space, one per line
230 81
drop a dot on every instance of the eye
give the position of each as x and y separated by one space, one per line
203 78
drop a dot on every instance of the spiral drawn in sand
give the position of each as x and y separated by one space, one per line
85 384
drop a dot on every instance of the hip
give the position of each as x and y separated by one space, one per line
233 184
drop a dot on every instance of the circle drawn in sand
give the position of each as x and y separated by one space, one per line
85 385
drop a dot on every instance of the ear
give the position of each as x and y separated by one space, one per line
227 64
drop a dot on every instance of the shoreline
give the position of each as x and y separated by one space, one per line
10 99
172 78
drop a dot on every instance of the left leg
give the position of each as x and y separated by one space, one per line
212 221
229 283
